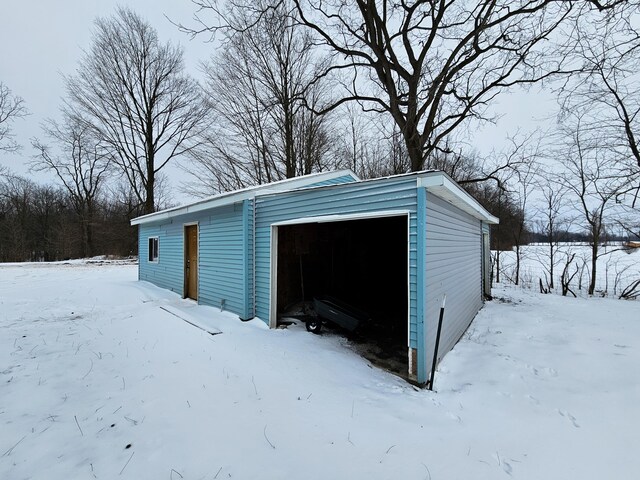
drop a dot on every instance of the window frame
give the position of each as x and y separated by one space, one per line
153 244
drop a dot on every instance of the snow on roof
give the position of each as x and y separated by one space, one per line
435 181
441 185
234 196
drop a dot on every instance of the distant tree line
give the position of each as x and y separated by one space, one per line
581 237
41 223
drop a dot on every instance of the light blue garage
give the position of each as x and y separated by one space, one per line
390 246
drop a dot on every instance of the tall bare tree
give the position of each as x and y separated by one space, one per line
432 65
601 102
81 164
351 146
11 108
551 224
606 89
523 190
593 177
132 90
258 84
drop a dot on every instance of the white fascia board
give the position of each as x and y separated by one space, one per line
444 187
342 218
229 198
193 208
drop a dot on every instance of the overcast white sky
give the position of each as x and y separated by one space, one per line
42 39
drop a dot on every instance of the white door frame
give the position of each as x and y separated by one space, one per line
273 265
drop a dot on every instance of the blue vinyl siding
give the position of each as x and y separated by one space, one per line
374 196
247 221
453 268
421 293
168 271
222 259
225 256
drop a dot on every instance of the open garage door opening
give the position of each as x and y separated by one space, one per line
353 273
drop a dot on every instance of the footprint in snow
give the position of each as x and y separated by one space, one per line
570 417
502 463
533 400
543 371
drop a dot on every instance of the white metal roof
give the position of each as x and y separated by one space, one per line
435 181
228 198
441 185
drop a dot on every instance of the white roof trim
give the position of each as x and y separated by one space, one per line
436 182
235 196
342 217
441 185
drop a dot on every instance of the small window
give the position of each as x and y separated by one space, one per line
153 249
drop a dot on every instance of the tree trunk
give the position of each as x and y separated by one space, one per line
594 261
149 187
290 161
517 276
551 255
414 150
149 201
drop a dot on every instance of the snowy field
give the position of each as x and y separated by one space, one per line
101 377
617 267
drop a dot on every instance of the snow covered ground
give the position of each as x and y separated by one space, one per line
100 377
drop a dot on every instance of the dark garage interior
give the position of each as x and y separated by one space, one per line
360 263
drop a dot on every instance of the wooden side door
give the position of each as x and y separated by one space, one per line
191 262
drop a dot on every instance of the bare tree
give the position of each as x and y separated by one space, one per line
431 65
132 90
38 222
259 84
606 89
594 178
350 147
369 145
601 103
81 166
566 277
523 191
29 230
551 225
11 108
